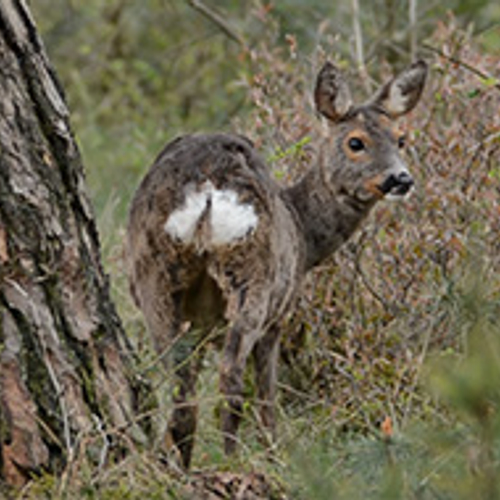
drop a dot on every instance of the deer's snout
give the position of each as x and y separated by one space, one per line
397 184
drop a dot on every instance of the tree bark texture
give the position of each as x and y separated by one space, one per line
65 370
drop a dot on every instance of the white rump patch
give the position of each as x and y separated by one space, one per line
182 223
229 220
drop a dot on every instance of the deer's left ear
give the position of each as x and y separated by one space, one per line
400 95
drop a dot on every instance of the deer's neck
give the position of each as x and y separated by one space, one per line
327 219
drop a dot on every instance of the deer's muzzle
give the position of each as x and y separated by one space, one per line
397 184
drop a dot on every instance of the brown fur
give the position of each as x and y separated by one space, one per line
186 289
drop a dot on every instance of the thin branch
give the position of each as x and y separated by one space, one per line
412 14
463 64
219 21
358 40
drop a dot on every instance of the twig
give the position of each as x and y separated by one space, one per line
221 23
463 64
358 39
412 14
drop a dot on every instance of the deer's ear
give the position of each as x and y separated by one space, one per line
332 95
400 95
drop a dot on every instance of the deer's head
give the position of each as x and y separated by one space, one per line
365 161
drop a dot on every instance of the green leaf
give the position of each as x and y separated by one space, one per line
491 81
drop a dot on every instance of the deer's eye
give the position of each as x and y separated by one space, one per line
356 144
401 141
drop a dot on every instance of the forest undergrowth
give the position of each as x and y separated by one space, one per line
390 367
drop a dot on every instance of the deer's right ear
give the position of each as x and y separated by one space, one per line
402 93
332 95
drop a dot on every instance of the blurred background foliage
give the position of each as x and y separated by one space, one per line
140 72
401 326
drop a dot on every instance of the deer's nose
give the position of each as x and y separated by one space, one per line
404 182
397 184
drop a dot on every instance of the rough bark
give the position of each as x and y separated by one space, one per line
64 360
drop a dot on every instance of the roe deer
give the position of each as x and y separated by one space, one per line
213 238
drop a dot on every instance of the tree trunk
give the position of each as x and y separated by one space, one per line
66 381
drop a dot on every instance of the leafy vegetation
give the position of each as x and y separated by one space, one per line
390 365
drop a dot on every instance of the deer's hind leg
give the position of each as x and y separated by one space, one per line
245 329
202 305
186 360
179 350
